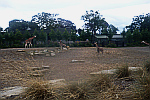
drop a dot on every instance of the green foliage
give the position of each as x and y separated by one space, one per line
110 34
58 35
44 20
18 37
52 35
137 36
129 36
73 35
66 35
111 45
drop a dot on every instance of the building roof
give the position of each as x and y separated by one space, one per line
115 36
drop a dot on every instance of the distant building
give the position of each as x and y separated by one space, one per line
116 39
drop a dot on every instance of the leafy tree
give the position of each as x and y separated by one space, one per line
58 35
6 38
26 35
110 34
66 24
137 36
129 36
45 20
52 35
1 38
93 21
12 38
145 35
66 35
42 36
73 35
146 23
114 29
1 29
37 34
21 25
18 37
105 31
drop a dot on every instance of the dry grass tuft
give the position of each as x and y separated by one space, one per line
40 91
123 71
147 66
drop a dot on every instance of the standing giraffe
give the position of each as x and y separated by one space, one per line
61 44
29 41
146 43
98 48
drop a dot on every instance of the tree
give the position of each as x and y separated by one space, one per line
52 35
93 21
43 36
58 35
137 36
45 20
73 35
129 36
145 35
66 24
18 37
1 38
110 34
20 25
66 35
114 29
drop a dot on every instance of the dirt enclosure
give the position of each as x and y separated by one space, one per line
15 66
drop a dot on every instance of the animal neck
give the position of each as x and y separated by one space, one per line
97 46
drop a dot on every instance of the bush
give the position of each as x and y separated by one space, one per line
111 45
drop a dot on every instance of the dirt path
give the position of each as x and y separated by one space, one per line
14 65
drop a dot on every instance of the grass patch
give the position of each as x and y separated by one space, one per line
147 66
40 91
123 71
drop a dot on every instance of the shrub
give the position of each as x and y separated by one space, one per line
111 45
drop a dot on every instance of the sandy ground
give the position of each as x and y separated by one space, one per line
15 66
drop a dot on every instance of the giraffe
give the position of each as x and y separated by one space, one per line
29 41
146 43
98 48
61 44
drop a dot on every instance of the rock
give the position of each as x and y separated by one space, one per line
52 54
45 67
135 68
36 68
64 48
47 55
11 92
112 71
36 75
31 53
20 50
74 61
57 83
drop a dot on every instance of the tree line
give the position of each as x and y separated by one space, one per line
138 30
49 29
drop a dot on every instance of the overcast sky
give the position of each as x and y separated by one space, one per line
116 12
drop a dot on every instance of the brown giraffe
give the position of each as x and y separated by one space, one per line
29 41
61 44
146 43
98 48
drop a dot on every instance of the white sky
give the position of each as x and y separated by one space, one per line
116 12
